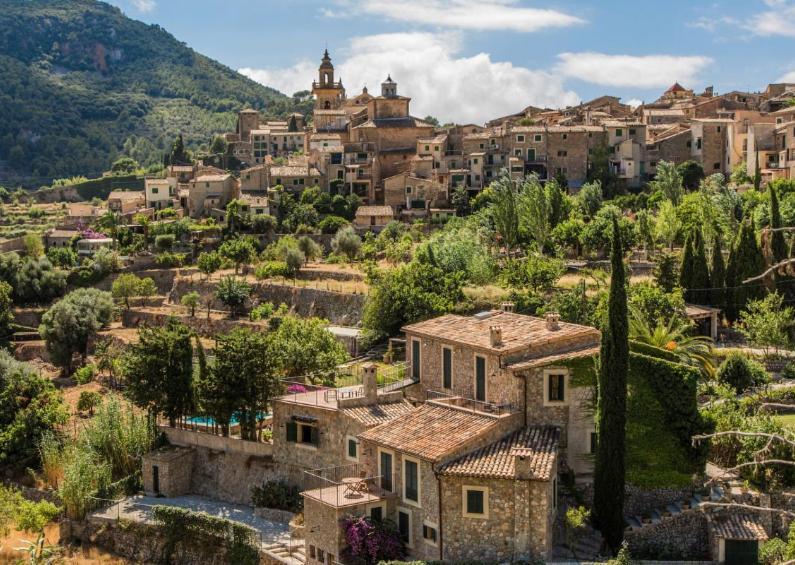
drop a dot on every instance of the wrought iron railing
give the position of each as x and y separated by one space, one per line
342 485
471 404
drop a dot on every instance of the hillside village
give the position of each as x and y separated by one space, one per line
360 336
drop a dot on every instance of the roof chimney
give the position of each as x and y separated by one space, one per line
507 306
495 335
370 382
553 321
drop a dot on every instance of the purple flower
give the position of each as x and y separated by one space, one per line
296 389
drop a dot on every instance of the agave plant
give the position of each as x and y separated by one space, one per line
675 338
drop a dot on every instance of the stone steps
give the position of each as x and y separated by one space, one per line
281 552
675 509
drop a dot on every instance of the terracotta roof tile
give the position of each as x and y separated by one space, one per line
538 445
735 526
519 332
536 362
378 414
431 432
366 211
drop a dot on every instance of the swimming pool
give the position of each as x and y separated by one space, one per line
233 421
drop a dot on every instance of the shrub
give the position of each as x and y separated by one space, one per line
270 269
165 242
262 312
772 552
294 259
347 242
85 375
89 399
277 494
741 372
370 541
169 260
332 224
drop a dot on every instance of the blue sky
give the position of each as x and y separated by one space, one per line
470 60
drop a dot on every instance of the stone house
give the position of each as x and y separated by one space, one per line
373 218
498 416
210 191
60 238
160 193
294 178
126 201
255 205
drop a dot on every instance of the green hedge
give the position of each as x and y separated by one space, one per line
101 187
188 530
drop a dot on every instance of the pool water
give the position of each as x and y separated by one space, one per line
233 421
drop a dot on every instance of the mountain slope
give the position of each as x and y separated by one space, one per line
82 83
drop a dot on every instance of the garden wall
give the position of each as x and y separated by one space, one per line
681 537
336 307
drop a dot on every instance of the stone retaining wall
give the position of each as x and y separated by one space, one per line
135 317
188 438
337 307
681 537
638 501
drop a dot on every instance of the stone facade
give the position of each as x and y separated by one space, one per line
166 471
518 525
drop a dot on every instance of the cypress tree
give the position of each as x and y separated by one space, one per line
757 174
745 261
698 293
778 246
718 276
609 471
686 267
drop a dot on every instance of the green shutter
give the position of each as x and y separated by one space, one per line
474 502
292 432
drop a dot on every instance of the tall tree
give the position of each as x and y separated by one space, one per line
242 381
717 275
699 292
746 260
610 472
778 245
686 266
69 325
159 371
668 181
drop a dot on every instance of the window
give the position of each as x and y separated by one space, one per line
404 526
411 481
519 139
429 533
436 148
427 148
619 132
632 131
716 166
352 448
415 359
312 551
555 387
447 367
592 445
481 146
154 190
377 513
653 164
476 502
475 160
565 136
562 153
698 143
302 433
555 492
480 378
278 180
321 555
517 152
537 137
718 129
408 190
385 469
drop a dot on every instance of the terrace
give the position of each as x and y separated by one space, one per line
340 487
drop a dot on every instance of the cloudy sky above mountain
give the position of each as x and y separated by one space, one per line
470 60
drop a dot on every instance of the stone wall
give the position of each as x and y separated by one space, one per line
638 501
681 537
518 525
30 317
135 317
336 307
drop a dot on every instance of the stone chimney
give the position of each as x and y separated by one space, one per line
370 383
507 306
495 334
553 321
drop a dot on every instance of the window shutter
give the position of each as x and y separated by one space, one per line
315 436
292 431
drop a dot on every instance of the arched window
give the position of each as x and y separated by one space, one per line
327 105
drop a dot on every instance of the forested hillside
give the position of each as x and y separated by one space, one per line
82 83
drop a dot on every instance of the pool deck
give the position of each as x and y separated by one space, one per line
139 509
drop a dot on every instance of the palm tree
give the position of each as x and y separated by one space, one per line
673 337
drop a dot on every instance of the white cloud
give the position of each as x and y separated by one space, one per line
789 77
429 68
647 71
780 20
144 5
462 14
634 102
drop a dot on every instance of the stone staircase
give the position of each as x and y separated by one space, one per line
280 551
634 523
587 548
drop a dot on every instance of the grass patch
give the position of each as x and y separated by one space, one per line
786 420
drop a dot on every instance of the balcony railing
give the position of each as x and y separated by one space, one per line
347 485
472 405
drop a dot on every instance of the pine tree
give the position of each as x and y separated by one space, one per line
745 261
718 276
609 471
700 281
178 155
